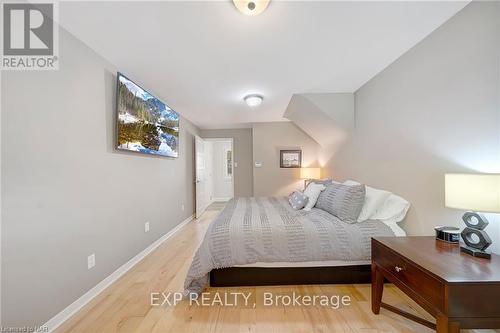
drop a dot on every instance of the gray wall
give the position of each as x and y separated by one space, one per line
242 141
268 140
434 110
66 193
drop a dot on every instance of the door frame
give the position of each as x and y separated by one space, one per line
198 209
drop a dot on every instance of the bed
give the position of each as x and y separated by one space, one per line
260 241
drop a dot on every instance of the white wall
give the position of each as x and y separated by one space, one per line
326 117
67 193
222 185
209 172
242 146
434 110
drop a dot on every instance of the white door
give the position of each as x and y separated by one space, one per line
200 177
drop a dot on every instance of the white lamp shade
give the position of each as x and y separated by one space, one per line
475 192
310 173
251 7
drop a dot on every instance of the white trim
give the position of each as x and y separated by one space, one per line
74 307
221 199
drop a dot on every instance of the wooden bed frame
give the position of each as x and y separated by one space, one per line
266 276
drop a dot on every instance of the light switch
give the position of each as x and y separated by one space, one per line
91 261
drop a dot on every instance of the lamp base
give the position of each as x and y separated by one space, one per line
475 252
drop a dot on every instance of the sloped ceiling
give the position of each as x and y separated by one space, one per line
327 118
202 57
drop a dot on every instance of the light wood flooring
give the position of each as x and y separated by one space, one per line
216 205
125 305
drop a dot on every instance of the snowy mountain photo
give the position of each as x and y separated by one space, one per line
145 124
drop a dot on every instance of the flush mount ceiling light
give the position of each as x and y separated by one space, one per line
251 7
253 100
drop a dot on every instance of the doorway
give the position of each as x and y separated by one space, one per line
214 171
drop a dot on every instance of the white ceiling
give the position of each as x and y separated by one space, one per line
202 57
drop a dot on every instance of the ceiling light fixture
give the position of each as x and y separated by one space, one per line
251 7
253 100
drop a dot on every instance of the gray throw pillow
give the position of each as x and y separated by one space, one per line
325 182
342 201
298 200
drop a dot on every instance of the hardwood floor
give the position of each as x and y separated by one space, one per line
216 205
125 305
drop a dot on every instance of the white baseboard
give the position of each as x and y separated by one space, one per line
74 307
224 199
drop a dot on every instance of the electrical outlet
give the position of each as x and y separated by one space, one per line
182 207
91 261
146 227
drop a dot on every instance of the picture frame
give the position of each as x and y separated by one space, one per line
144 124
291 158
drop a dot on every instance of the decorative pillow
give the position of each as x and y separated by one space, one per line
325 182
298 200
374 199
392 209
343 201
312 192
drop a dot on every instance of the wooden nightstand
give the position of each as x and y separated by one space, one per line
459 290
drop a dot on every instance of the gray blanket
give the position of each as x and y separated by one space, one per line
251 230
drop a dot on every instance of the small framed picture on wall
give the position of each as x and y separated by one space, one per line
290 158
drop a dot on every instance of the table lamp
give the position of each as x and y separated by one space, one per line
309 173
476 193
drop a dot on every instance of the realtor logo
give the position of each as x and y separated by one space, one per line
29 36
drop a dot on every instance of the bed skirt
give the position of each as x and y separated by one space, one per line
267 276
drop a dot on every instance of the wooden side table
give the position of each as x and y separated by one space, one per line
459 290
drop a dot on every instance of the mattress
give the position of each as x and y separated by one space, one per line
252 231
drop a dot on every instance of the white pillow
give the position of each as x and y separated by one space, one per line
393 210
312 192
374 199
